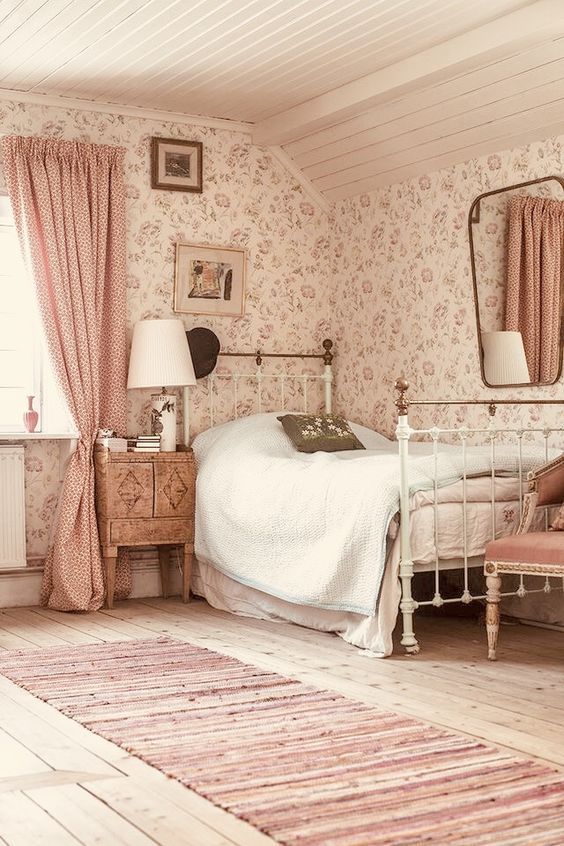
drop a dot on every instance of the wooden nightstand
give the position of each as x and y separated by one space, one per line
145 499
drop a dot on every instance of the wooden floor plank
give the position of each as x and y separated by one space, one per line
92 822
36 635
163 820
47 742
92 624
26 824
48 624
11 640
16 759
51 778
25 707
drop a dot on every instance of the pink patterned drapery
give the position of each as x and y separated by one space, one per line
68 201
535 251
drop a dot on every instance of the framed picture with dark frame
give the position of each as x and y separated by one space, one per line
176 165
209 280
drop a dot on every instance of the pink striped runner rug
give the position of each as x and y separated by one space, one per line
305 766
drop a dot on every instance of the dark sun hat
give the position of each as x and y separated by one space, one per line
204 349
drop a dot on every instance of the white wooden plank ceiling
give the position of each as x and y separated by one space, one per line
503 104
360 93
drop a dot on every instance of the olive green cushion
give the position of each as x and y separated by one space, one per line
319 432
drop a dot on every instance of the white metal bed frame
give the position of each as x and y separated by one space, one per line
492 434
404 432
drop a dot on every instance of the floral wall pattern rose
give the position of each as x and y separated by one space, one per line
248 201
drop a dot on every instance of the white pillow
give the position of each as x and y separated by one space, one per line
371 439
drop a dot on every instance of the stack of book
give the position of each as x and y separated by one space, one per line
144 443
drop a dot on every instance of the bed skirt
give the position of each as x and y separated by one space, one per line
368 633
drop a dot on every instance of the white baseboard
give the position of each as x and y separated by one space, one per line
22 587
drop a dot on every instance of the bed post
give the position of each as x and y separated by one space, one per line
407 604
328 374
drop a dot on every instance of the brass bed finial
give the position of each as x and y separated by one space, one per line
402 403
328 355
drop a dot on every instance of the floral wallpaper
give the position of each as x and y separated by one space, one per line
248 201
404 300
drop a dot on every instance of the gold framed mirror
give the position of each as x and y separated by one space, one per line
516 237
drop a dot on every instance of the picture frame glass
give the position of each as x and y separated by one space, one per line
176 165
209 280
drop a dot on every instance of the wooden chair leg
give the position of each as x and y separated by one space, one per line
186 573
110 567
493 597
164 561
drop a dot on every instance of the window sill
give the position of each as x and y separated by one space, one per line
39 436
68 442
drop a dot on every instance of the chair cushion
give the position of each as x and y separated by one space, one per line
545 548
549 482
557 524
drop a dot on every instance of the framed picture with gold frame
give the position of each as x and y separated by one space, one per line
210 280
176 165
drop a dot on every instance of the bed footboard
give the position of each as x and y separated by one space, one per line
490 436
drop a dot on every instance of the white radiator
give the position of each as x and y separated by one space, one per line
12 507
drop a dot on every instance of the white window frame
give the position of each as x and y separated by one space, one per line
53 418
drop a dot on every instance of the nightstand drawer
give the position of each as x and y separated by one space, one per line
174 489
164 530
129 491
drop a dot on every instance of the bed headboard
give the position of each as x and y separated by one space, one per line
259 376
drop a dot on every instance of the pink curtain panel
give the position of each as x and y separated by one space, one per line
68 200
534 260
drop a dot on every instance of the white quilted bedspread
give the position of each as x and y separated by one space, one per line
310 529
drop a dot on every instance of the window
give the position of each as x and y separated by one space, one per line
24 369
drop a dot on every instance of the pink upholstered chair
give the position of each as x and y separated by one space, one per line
528 553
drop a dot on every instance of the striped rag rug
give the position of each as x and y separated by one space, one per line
303 765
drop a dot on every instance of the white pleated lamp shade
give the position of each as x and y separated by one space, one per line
160 355
504 358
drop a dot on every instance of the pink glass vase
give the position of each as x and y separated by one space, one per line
31 416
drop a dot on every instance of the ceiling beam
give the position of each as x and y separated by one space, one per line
542 20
